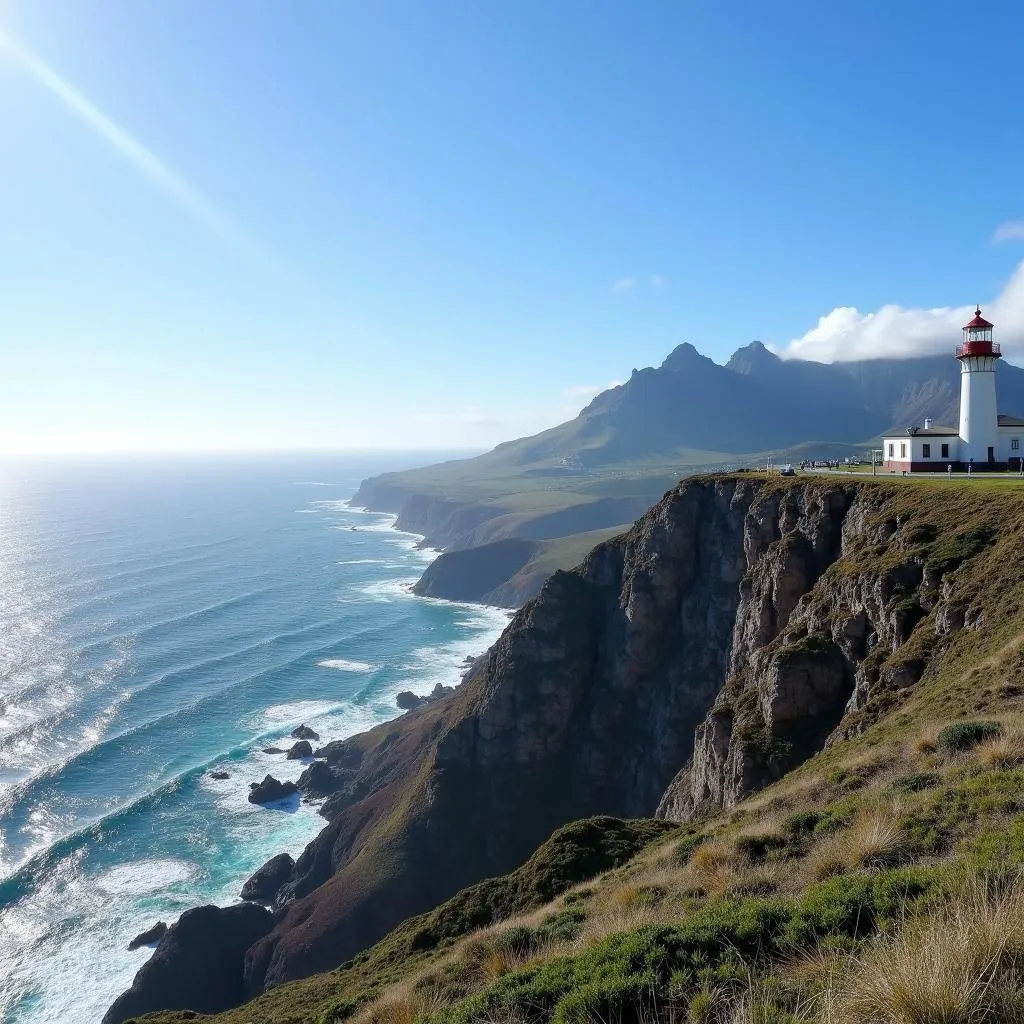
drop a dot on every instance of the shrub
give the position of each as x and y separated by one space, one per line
685 847
802 822
964 735
759 845
916 781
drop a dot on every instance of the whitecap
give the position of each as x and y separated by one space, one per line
342 665
143 876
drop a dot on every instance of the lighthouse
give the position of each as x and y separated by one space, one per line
979 423
985 439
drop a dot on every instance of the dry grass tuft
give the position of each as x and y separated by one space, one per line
873 839
713 866
926 741
961 966
400 1005
1003 751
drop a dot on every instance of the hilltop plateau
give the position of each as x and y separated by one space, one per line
758 758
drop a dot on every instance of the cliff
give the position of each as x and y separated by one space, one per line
740 627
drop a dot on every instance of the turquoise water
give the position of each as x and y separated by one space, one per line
160 620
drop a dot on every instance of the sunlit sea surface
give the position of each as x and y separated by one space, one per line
161 620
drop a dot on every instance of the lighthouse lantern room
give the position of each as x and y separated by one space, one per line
985 439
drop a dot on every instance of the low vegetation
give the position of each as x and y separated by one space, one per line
896 899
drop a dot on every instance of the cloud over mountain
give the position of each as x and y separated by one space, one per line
846 334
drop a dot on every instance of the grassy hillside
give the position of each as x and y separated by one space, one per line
877 882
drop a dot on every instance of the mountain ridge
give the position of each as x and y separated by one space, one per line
600 470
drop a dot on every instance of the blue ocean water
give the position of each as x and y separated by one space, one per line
160 620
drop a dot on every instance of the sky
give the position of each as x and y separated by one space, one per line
255 224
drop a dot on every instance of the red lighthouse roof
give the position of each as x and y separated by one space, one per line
978 322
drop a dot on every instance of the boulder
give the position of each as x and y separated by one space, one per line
303 732
150 936
270 789
197 965
407 700
272 750
263 885
320 780
300 749
220 776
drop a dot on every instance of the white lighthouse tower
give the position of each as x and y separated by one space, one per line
979 421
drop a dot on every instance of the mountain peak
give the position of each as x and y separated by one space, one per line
751 358
684 357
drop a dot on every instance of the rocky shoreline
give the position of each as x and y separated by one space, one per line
210 939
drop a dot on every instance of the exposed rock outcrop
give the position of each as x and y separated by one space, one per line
264 884
471 574
299 750
303 732
197 965
321 779
270 790
407 700
149 936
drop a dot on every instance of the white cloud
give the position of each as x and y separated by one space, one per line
623 284
846 333
1010 231
657 282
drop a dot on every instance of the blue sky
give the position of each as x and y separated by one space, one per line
264 224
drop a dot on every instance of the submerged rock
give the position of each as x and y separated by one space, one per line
303 732
272 750
264 884
300 749
149 936
219 776
270 789
198 964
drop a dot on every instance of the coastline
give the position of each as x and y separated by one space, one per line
258 655
466 657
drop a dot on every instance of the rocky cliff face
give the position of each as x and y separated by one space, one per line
841 605
736 629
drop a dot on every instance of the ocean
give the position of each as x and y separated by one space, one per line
162 619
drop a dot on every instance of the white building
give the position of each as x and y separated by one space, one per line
985 438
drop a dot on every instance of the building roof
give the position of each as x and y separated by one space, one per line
1009 421
933 432
978 321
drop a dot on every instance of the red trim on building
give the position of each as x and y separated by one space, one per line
978 322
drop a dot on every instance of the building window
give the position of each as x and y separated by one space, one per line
945 451
891 447
926 451
903 449
1015 444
